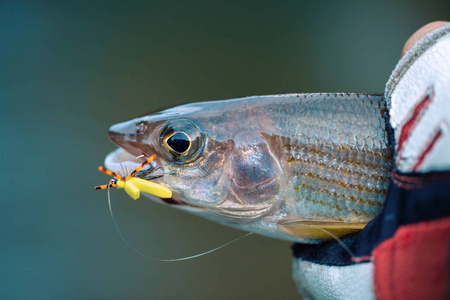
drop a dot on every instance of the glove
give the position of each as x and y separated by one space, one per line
404 252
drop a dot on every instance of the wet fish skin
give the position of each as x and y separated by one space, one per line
279 165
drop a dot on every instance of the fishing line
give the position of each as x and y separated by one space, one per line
346 248
165 259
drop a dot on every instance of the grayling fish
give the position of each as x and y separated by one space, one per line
295 167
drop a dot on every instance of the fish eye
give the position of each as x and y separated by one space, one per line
181 141
178 142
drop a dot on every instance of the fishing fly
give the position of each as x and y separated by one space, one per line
133 186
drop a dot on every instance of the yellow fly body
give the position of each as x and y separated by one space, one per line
135 185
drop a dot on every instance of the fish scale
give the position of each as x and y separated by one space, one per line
344 179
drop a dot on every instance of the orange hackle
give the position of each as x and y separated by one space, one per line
110 173
141 166
118 177
105 186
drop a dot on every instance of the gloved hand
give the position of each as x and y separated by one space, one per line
404 252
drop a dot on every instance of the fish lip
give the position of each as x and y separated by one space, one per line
120 161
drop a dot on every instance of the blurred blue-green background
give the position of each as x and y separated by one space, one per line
70 69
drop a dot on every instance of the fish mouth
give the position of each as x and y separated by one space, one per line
123 163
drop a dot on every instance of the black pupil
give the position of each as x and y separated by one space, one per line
179 142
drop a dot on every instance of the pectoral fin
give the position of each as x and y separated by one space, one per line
319 230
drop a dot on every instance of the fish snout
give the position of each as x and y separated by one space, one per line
131 136
121 132
138 136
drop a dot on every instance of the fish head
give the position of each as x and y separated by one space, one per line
214 157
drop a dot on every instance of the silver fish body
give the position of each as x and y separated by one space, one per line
294 166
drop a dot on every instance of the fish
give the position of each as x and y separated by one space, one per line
297 167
